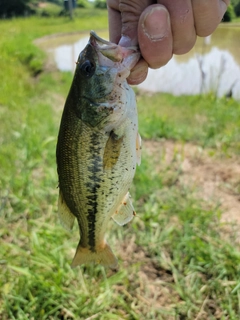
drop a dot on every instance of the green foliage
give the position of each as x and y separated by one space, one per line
58 2
205 120
100 4
229 14
237 9
236 6
83 4
49 10
9 8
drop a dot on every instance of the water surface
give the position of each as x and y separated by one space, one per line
213 65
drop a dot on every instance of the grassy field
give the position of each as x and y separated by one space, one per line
236 20
177 259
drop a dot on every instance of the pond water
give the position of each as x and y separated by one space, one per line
213 65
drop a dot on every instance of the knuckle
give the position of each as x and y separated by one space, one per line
114 4
184 46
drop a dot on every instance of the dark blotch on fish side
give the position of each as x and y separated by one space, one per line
95 168
112 150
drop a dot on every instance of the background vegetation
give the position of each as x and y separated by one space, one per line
177 260
11 8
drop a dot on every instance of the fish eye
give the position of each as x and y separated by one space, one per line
87 68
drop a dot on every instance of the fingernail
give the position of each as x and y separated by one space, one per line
156 23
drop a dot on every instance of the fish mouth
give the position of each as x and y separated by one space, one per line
113 52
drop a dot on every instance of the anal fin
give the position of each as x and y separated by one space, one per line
125 211
65 215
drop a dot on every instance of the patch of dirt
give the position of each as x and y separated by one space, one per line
150 284
42 5
213 178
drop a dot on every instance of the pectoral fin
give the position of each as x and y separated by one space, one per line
138 148
65 215
112 150
125 211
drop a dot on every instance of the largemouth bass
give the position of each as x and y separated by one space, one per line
98 148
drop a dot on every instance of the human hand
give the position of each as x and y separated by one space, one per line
161 28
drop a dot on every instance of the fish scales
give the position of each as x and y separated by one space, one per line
98 148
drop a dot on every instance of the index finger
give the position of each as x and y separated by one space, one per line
123 20
114 21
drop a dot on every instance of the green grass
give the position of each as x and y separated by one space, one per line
49 10
205 120
175 259
236 20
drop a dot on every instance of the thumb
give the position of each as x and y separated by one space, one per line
130 14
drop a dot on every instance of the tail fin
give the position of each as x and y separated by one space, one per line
103 256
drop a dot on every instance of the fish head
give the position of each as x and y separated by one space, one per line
102 68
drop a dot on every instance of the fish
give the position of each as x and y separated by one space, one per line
98 148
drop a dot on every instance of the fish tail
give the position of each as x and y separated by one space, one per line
103 256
